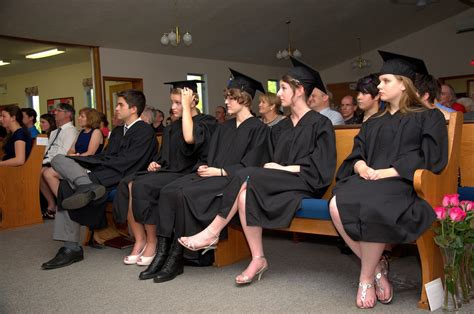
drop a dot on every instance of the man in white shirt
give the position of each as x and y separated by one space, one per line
319 101
59 142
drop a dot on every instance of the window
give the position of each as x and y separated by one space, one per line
33 102
202 92
272 86
90 100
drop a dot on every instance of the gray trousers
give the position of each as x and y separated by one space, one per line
65 229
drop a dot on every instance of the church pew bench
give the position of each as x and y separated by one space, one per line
466 190
19 192
314 218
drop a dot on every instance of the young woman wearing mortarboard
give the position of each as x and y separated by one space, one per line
303 161
374 201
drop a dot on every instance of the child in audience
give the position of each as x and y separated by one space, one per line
18 142
189 203
303 154
47 123
29 120
374 201
89 142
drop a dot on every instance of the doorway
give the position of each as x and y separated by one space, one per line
114 85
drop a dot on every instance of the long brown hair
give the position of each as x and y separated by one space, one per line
294 84
409 101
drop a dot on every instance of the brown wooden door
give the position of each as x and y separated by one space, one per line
113 91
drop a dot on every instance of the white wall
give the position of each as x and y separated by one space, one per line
444 52
155 69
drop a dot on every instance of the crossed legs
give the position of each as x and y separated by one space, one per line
369 254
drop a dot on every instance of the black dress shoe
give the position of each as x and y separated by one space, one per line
161 256
173 266
64 257
83 195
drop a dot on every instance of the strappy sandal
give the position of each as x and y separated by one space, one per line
365 286
246 280
384 269
191 246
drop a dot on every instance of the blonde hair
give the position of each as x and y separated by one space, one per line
409 101
92 117
272 99
242 97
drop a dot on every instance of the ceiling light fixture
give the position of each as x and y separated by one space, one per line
174 37
290 52
2 62
45 54
360 62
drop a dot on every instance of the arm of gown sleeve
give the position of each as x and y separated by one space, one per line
433 154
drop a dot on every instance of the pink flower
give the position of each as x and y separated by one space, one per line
450 200
457 214
466 205
440 213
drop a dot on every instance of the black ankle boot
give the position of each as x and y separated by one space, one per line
173 265
162 252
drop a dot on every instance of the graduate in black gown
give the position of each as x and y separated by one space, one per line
303 162
374 200
189 203
184 142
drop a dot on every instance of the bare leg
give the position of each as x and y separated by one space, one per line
137 229
151 240
52 178
254 239
204 237
44 188
370 256
336 219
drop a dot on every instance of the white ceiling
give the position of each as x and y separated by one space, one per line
246 30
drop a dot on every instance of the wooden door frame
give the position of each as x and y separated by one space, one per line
137 83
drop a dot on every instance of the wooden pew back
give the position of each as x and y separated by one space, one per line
467 154
19 192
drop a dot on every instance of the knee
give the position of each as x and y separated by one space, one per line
58 159
333 211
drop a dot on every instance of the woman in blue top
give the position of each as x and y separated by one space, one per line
18 142
89 142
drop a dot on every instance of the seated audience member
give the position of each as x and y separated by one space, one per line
183 144
348 109
448 98
86 178
104 125
374 202
368 98
188 203
429 88
29 120
47 123
89 142
148 115
158 122
269 196
467 102
269 108
18 142
221 113
59 142
320 101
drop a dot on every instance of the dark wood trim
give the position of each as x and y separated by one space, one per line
455 77
99 92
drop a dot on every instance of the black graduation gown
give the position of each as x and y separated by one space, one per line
177 158
191 202
124 155
389 210
273 196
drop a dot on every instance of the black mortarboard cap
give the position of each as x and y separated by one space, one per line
191 84
307 76
244 83
402 65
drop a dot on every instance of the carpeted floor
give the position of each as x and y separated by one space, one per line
304 277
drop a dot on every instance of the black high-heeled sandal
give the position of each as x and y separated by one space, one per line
49 214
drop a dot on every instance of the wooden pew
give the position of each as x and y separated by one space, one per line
429 186
467 154
19 192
